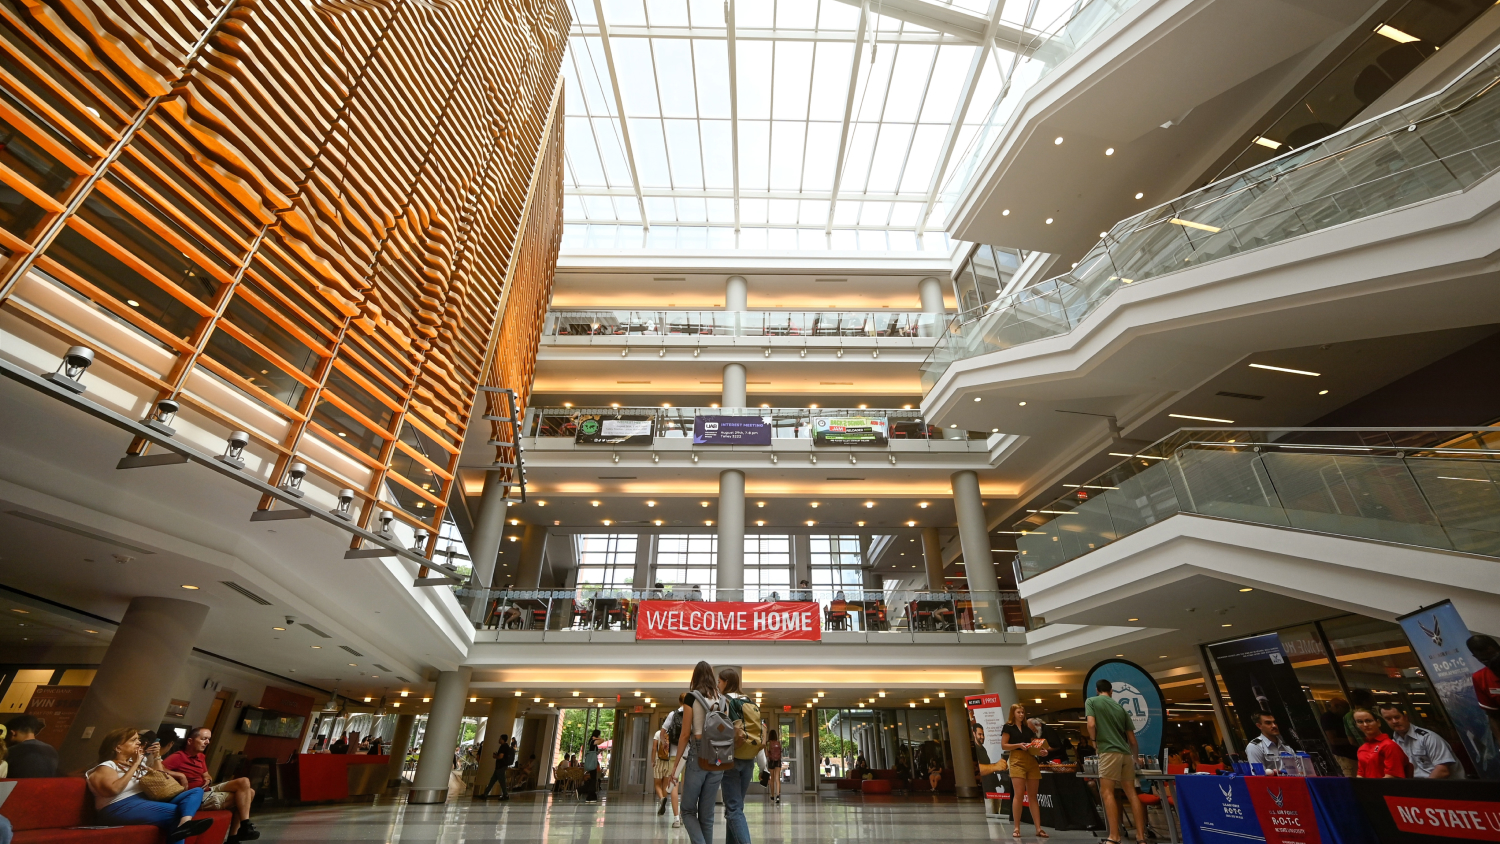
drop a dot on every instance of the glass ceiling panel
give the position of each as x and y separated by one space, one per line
787 103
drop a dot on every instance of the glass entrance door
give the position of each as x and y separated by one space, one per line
638 763
853 742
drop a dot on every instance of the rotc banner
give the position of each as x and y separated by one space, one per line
1439 639
1285 809
779 621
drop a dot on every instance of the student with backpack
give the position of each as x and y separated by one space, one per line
773 765
705 750
664 769
749 740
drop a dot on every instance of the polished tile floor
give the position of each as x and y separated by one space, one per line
541 817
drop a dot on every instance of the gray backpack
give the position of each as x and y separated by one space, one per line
715 744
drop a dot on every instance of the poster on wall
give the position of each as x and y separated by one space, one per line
58 707
1441 642
613 430
850 430
1141 698
731 430
986 723
1260 678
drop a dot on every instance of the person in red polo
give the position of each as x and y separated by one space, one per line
234 795
1379 757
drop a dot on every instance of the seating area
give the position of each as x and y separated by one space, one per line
51 810
890 780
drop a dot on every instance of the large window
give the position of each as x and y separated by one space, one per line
836 563
768 567
687 560
606 560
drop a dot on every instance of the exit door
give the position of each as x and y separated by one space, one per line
638 761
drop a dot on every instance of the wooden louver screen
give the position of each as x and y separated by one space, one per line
322 210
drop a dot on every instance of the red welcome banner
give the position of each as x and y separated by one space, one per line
1478 820
727 620
1285 808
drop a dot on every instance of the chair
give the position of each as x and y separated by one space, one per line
619 613
875 617
580 615
920 615
837 615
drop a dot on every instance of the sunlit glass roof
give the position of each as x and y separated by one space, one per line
774 149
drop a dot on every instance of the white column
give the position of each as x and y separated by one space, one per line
961 745
1001 680
932 555
400 743
489 527
533 552
736 294
645 550
974 537
801 559
731 574
931 292
441 739
501 720
734 385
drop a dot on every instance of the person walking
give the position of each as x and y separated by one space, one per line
736 780
773 765
1022 747
591 769
504 756
1113 733
664 765
704 774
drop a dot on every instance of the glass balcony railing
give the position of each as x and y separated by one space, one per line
1437 488
1432 147
720 323
1045 48
793 423
895 614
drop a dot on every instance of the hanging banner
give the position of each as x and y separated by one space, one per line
1285 809
731 430
1440 639
850 430
1216 810
780 621
1427 811
1260 678
613 430
1138 693
986 727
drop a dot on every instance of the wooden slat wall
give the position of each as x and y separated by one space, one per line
327 205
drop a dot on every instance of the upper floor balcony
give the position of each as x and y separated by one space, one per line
614 327
1435 147
895 428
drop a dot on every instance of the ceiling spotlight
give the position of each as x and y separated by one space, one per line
1322 392
768 352
1049 221
625 352
1057 141
658 522
760 523
346 501
189 586
705 504
760 503
1110 151
695 457
614 404
518 692
161 415
74 361
1139 195
292 483
607 522
861 524
978 398
810 523
869 505
234 449
922 504
814 504
650 503
1247 589
593 504
1005 213
911 524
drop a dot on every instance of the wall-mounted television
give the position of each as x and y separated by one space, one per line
268 722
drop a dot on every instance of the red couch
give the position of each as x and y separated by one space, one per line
43 809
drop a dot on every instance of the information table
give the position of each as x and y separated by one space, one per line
1066 802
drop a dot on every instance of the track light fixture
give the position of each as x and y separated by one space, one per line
160 417
74 361
292 483
346 500
234 449
386 517
419 541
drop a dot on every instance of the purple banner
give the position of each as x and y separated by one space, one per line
731 430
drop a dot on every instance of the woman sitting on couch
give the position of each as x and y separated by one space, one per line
116 785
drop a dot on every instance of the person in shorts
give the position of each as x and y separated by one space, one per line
773 765
233 796
1113 733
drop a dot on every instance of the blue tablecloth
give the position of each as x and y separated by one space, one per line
1216 810
1340 818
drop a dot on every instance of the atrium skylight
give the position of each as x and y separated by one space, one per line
774 148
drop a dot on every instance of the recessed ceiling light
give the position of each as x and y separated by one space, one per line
1057 141
954 425
1049 221
994 430
814 504
760 523
316 647
1247 589
1395 34
593 504
567 404
1005 213
810 523
650 503
1139 195
1110 151
1322 392
702 503
922 504
21 611
188 586
1267 142
608 522
1283 369
352 665
1104 234
91 631
1201 418
869 504
278 628
1226 625
1021 404
978 398
1132 619
132 303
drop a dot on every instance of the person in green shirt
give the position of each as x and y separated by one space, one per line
1114 734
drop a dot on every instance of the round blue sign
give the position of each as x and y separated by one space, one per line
1138 694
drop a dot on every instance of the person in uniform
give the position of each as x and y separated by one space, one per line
1430 756
1268 745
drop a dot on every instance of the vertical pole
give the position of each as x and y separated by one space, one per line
974 536
734 386
930 290
501 720
533 550
441 738
731 571
959 744
400 744
932 556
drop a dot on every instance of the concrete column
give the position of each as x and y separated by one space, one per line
489 527
645 552
961 745
801 559
736 294
135 680
731 573
1001 680
974 537
400 743
502 719
533 551
441 738
734 386
931 292
932 555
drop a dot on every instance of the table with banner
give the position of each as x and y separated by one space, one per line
1336 810
1067 802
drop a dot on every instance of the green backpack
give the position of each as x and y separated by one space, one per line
749 730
